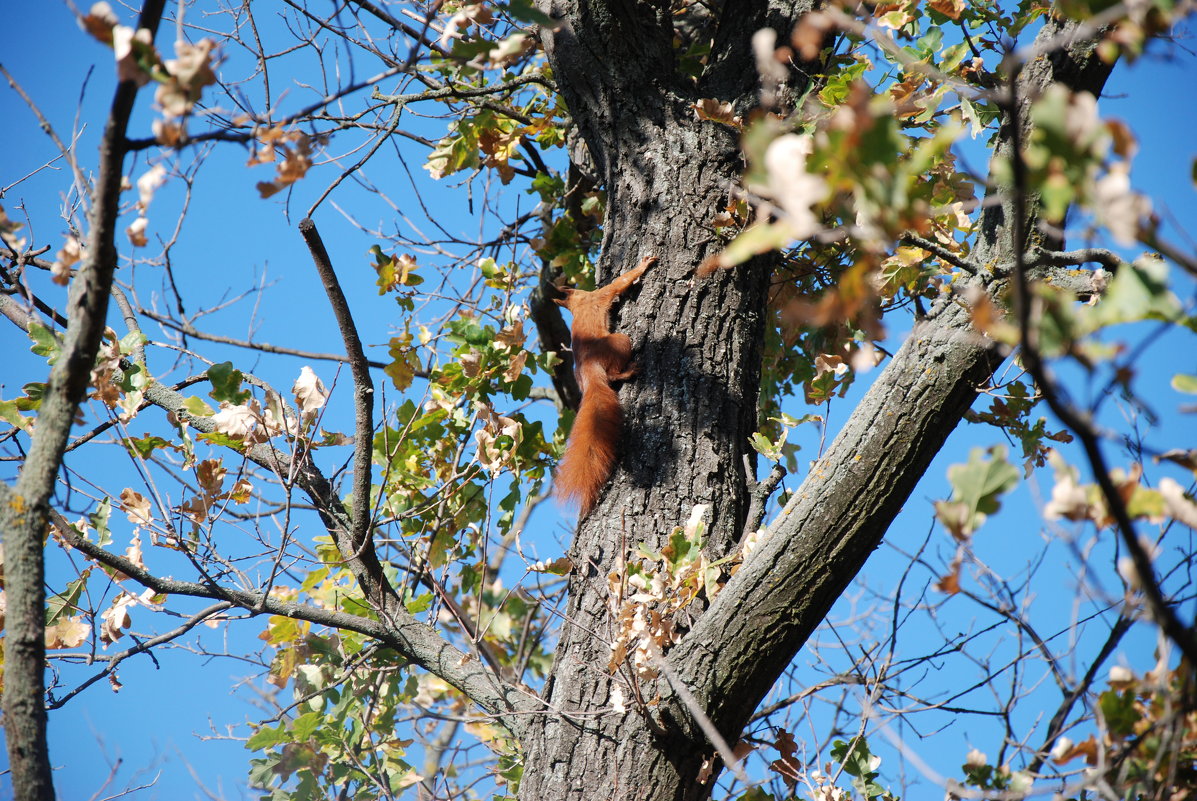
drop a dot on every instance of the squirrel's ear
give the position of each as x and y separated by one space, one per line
566 292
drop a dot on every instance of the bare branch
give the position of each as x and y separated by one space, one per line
189 330
363 389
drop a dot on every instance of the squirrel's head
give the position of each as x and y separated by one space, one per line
568 296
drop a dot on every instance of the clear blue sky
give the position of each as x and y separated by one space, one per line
168 723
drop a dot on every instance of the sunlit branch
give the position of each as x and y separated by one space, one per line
68 153
363 389
1056 726
414 640
303 114
189 330
25 510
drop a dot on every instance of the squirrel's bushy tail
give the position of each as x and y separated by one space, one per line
590 454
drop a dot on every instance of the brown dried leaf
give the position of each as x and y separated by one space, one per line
512 337
715 111
196 509
133 552
116 619
1086 748
949 8
210 474
189 73
67 257
516 368
1125 144
136 232
310 394
788 766
99 22
950 582
136 507
169 133
67 633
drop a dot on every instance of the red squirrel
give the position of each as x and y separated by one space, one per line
600 357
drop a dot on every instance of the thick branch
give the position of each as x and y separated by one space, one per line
24 515
843 509
417 641
363 388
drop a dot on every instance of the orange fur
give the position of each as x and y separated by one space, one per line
600 357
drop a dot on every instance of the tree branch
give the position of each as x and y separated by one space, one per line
399 628
417 641
188 329
363 389
142 646
24 513
851 496
1163 612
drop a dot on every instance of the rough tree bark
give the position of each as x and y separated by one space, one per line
25 509
693 406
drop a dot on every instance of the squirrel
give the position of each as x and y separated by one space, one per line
600 358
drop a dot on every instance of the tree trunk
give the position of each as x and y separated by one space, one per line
690 410
692 407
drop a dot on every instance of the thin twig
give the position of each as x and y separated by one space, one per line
940 252
191 331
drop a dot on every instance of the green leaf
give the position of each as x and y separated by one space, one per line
928 45
34 392
223 440
196 407
306 725
761 444
131 341
1118 708
66 603
45 343
754 240
10 413
268 737
976 488
1137 291
524 11
1145 503
420 603
226 384
145 446
99 521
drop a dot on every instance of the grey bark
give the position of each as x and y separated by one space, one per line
25 511
692 407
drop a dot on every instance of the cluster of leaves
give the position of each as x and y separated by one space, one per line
978 486
869 155
1149 741
980 774
649 596
851 758
338 730
180 80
